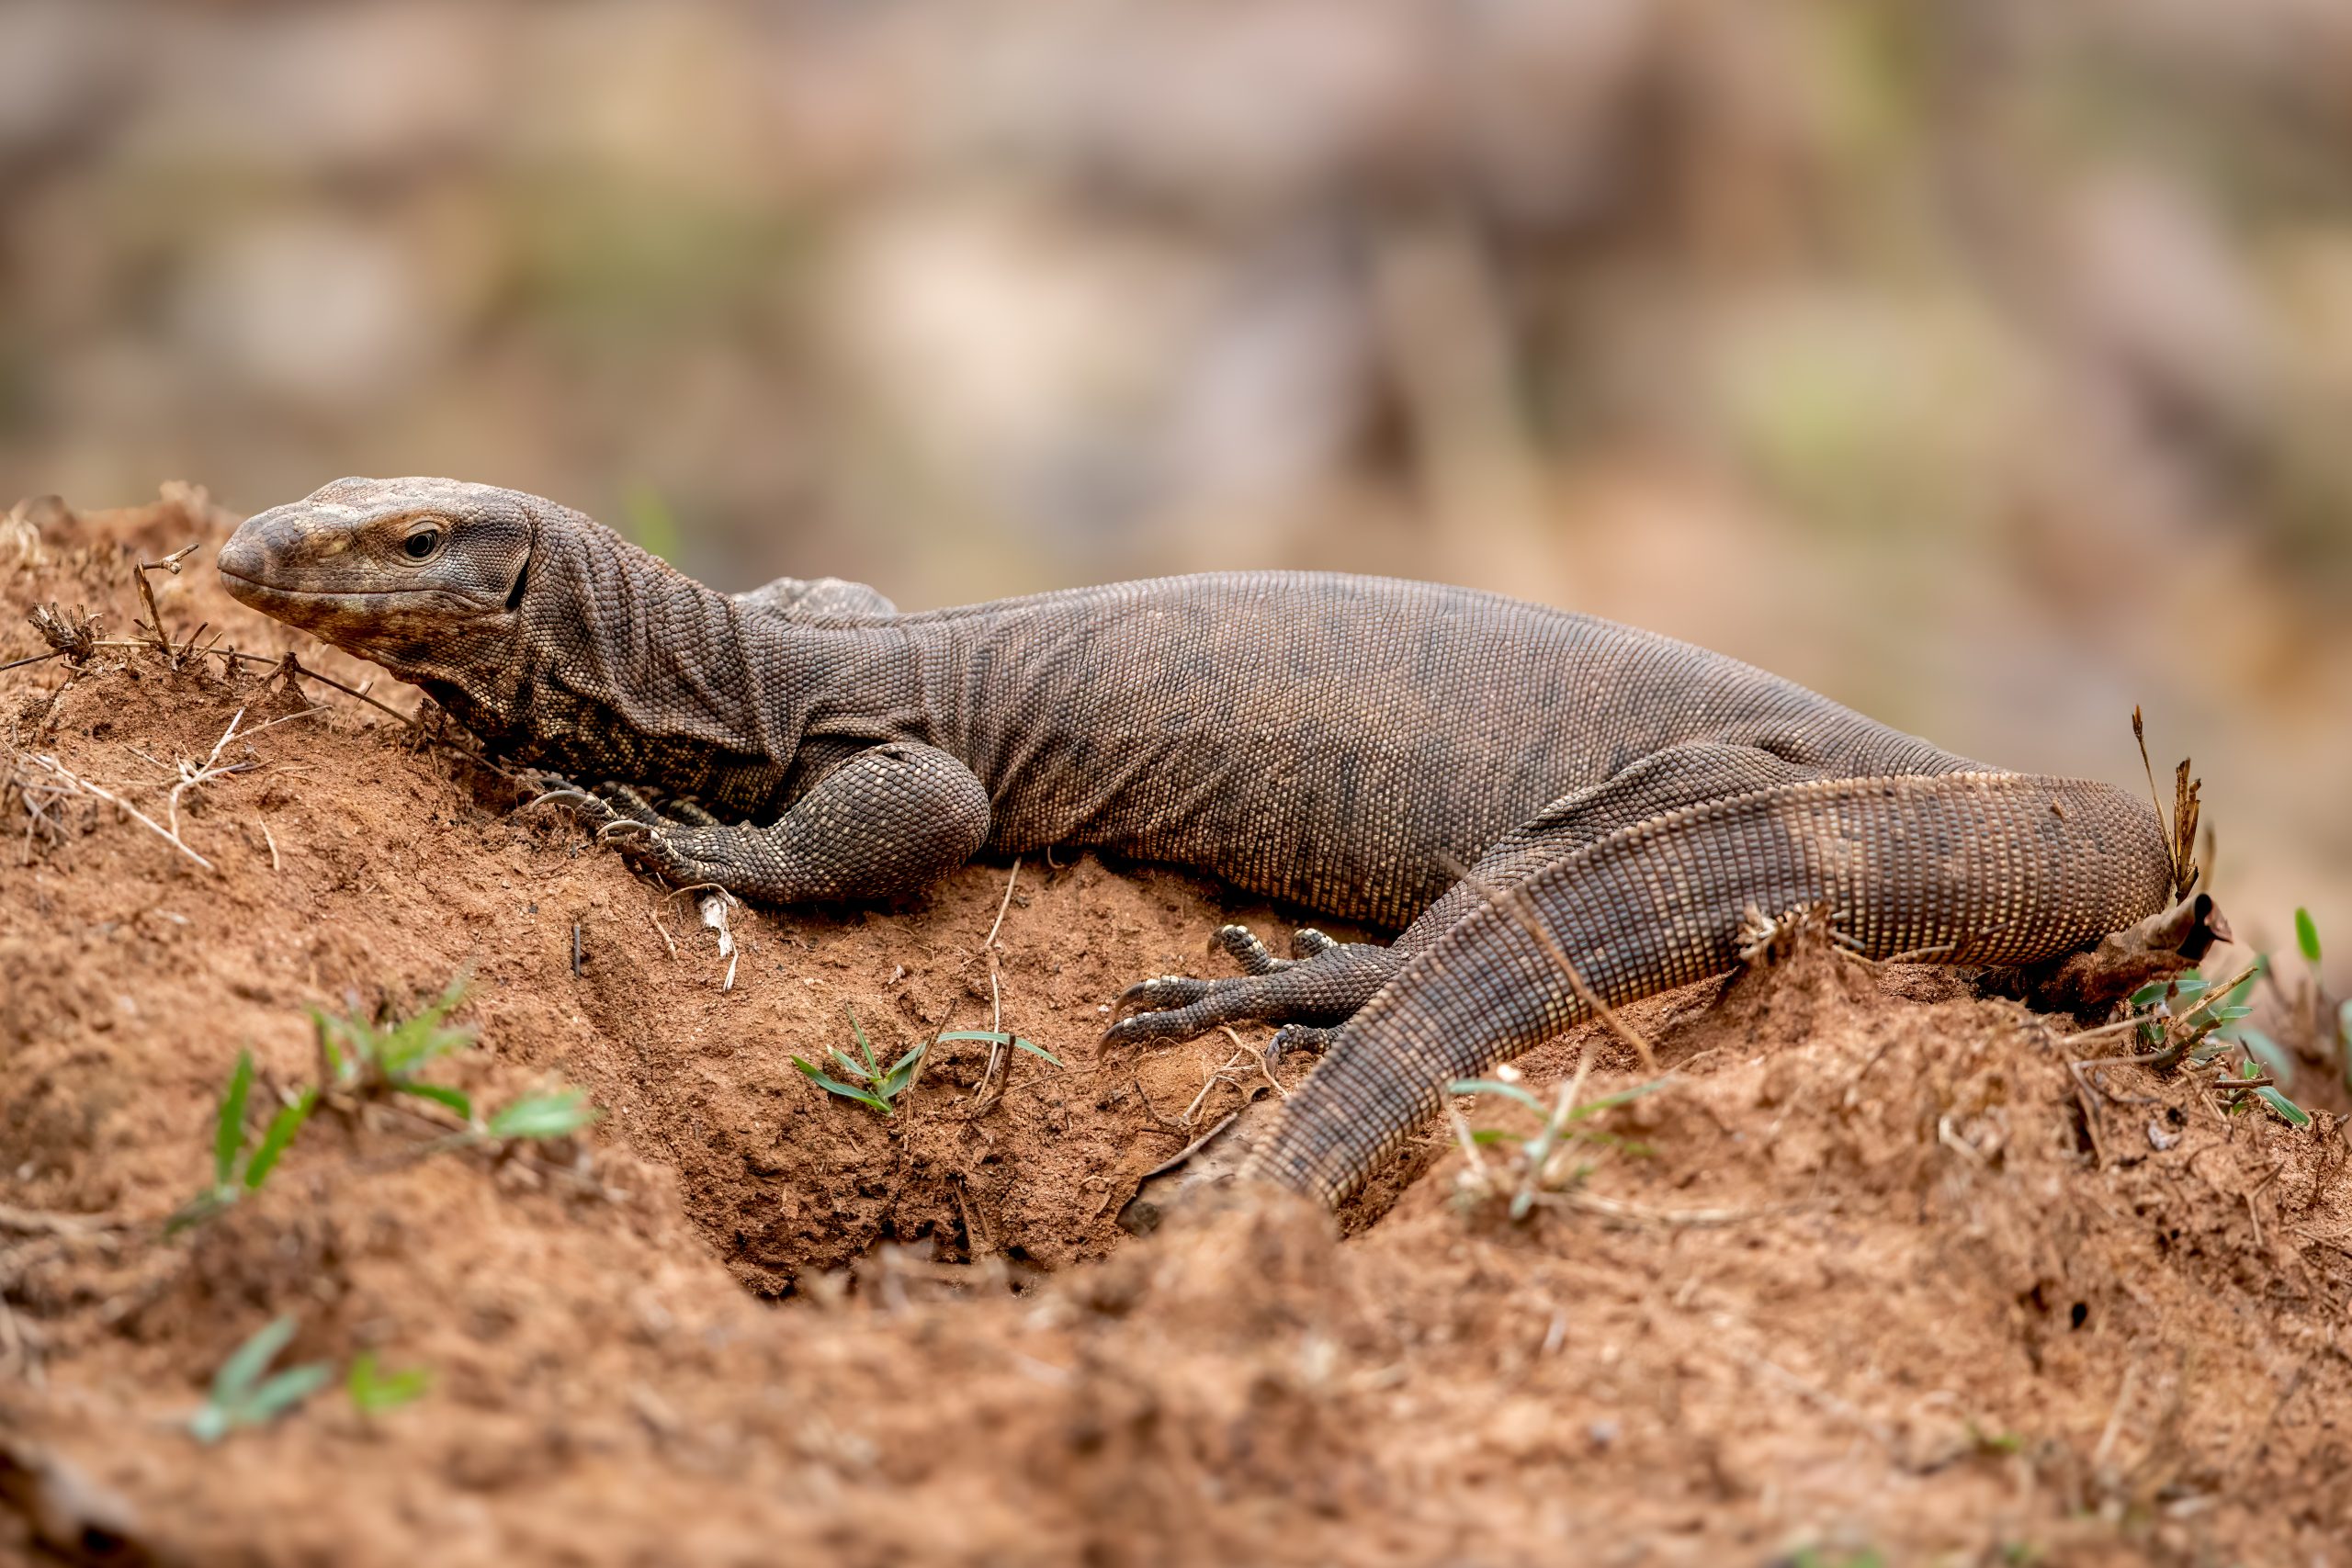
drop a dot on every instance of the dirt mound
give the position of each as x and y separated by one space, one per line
1876 1272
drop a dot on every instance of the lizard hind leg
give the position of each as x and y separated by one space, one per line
1329 980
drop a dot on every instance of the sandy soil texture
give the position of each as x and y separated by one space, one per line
1875 1276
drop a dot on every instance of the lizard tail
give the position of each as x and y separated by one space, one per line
1989 868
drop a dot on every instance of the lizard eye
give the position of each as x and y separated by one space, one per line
422 540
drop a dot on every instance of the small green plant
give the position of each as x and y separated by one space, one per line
2284 1108
2188 1017
237 1170
368 1059
873 1084
374 1391
371 1058
243 1396
1554 1157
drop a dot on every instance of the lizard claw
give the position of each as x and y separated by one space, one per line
625 829
569 795
1157 995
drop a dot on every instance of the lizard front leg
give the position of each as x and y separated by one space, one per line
891 821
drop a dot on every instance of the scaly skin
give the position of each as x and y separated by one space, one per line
1340 742
1986 868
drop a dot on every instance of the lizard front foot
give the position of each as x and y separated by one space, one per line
1324 985
626 821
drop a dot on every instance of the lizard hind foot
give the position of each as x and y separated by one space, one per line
1324 985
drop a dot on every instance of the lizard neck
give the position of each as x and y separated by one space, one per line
620 651
626 669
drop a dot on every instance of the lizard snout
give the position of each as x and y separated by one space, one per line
245 560
281 552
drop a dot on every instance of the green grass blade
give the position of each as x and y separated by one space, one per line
2285 1110
283 1392
835 1086
554 1115
2273 1056
2307 935
1496 1086
895 1080
2239 993
1633 1146
415 1045
873 1067
451 994
1608 1102
339 1066
366 1048
374 1391
850 1066
228 1132
456 1100
277 1137
204 1206
245 1364
994 1037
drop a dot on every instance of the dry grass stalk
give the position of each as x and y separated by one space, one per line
77 784
997 1053
1513 901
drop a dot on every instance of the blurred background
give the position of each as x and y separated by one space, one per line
1986 363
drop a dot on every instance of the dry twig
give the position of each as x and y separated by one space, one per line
75 783
997 1053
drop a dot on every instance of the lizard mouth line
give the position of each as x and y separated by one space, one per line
319 592
324 596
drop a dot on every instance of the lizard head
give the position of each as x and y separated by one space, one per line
423 575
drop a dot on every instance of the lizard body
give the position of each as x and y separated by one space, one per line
1339 742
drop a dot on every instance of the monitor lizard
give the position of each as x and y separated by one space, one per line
1349 744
